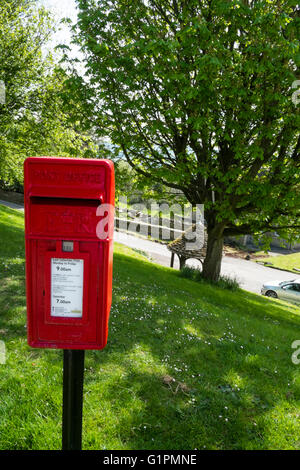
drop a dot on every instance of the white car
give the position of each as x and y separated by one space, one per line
285 290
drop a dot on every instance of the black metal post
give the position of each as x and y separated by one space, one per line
172 260
72 399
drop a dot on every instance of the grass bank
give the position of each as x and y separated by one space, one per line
187 365
284 262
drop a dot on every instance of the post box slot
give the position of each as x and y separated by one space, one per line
56 201
63 217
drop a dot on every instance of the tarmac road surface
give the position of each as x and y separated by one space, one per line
250 275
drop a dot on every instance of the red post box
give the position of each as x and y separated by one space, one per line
68 232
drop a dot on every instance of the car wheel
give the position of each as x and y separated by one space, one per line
271 293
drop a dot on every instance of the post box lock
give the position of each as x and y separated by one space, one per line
68 268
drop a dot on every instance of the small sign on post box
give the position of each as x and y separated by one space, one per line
68 231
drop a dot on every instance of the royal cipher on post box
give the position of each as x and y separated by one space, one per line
68 233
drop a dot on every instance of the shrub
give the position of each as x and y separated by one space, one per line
224 282
188 273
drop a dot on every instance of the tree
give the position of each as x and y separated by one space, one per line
35 117
198 96
23 30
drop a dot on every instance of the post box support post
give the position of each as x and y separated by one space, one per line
72 399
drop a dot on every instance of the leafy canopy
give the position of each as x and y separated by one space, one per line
34 119
198 95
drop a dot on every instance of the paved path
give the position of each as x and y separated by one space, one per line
250 275
12 205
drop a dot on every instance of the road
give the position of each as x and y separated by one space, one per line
249 274
12 205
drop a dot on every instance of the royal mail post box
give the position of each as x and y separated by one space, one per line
69 250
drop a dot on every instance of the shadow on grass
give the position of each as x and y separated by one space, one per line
232 375
186 366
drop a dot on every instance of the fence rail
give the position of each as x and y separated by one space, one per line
158 227
160 232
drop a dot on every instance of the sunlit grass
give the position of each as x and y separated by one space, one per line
285 262
187 365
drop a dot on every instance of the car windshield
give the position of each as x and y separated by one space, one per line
286 282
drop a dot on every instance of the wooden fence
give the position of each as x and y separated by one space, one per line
158 228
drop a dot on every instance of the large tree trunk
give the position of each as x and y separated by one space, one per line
214 252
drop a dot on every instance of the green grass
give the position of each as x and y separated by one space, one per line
285 262
187 365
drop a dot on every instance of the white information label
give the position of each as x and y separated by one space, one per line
66 287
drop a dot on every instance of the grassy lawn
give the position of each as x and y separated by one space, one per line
285 262
187 366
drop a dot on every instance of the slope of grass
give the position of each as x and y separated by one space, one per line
285 262
187 365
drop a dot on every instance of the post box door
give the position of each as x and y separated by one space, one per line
68 267
62 325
